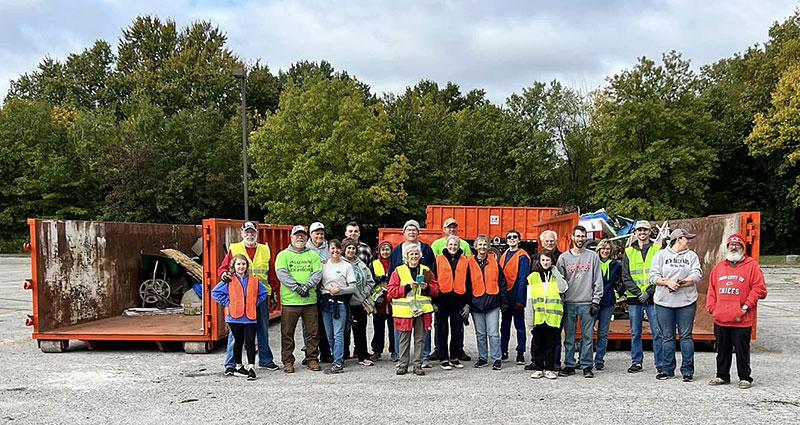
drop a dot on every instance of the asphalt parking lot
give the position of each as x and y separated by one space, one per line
124 383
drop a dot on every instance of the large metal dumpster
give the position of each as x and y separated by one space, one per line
86 273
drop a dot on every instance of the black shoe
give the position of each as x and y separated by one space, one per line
599 366
327 359
464 357
272 366
251 375
530 366
504 356
520 358
688 378
229 371
636 368
566 371
304 362
480 363
498 364
434 355
242 372
664 376
587 373
658 369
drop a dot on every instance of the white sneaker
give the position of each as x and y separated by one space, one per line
549 374
446 366
366 362
456 364
537 374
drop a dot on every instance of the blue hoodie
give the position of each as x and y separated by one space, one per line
220 295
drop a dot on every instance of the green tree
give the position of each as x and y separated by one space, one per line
326 156
651 129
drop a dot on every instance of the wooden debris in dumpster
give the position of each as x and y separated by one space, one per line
192 268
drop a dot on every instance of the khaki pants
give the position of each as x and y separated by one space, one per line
404 342
290 314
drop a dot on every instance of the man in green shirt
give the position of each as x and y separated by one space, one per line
450 228
299 270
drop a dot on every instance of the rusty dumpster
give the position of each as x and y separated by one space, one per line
84 274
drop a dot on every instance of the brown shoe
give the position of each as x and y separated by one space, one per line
530 366
288 367
313 365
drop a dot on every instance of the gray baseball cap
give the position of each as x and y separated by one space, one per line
681 233
642 224
299 228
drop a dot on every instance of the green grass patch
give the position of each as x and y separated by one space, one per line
775 260
11 246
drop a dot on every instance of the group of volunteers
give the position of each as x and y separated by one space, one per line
427 293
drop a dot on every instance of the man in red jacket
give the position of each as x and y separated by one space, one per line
734 288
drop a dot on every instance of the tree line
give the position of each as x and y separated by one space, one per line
150 131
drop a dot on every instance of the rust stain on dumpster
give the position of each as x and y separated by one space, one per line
92 270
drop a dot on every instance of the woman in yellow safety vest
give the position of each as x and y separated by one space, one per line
546 287
382 322
410 289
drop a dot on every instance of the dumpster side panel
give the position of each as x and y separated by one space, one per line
395 235
562 225
85 271
491 220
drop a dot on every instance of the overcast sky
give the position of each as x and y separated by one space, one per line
500 46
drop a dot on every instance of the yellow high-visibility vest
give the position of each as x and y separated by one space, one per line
547 306
401 307
640 270
258 265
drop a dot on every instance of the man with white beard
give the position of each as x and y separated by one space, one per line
734 288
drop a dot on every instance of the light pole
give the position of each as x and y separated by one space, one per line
241 74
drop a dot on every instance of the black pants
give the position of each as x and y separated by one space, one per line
449 323
544 346
380 323
730 338
324 346
243 334
360 316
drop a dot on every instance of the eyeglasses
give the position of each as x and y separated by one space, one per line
512 237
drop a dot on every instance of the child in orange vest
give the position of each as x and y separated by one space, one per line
241 296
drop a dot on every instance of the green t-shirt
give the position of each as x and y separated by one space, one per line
439 245
300 267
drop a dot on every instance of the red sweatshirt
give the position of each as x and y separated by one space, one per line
731 287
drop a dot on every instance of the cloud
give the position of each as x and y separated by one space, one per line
499 46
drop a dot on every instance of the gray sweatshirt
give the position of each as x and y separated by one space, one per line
364 282
583 275
286 279
673 266
340 274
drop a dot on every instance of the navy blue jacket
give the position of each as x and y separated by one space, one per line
488 302
614 276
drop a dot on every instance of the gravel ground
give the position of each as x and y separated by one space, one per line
126 383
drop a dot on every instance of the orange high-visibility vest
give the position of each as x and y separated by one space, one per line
240 304
511 268
484 281
445 277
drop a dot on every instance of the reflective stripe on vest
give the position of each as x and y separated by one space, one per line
511 267
484 281
447 282
240 304
640 270
547 306
403 307
258 265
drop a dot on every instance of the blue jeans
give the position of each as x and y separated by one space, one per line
603 323
262 336
505 328
334 328
636 311
572 312
682 317
487 325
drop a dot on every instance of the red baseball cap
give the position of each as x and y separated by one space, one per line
735 238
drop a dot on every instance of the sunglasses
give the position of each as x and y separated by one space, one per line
512 237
